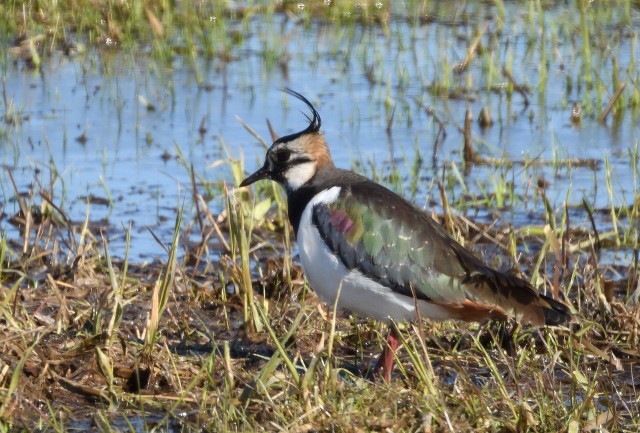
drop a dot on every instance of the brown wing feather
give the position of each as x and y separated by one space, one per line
512 293
471 311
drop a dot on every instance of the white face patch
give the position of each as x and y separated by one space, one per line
299 174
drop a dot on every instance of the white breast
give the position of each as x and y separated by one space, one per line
358 293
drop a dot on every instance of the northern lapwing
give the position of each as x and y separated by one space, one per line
381 255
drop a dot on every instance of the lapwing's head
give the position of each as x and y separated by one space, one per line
294 160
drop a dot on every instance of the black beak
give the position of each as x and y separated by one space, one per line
262 173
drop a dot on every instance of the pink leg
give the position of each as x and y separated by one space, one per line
386 359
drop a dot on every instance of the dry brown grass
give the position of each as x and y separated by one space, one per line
209 369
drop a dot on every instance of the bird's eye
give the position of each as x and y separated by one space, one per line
283 156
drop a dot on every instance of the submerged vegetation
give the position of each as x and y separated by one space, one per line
220 332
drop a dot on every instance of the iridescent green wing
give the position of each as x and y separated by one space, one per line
392 242
398 245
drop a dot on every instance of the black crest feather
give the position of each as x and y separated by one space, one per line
314 122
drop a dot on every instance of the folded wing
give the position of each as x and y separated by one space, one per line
398 245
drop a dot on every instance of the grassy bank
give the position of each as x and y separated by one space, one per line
223 334
237 342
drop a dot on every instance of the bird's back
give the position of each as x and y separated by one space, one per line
398 245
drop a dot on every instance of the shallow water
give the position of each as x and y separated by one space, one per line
133 111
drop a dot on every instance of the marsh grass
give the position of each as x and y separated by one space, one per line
249 348
224 334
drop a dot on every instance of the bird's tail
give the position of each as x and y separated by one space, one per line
518 297
555 312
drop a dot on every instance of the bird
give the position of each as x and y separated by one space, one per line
382 257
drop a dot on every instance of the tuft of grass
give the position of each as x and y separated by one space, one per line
162 288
